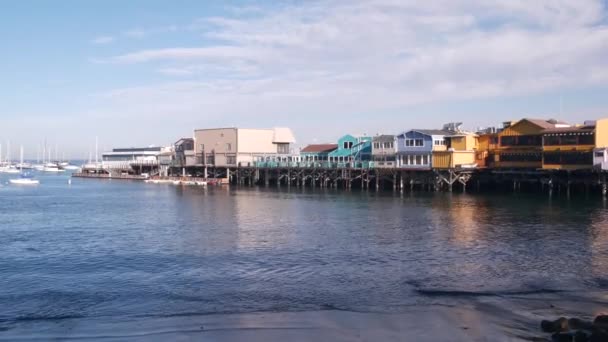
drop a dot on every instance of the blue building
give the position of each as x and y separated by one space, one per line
415 147
352 149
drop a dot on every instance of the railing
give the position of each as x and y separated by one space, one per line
315 165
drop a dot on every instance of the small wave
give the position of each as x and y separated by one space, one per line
29 318
457 293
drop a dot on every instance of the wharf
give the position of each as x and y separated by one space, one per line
408 179
367 177
108 176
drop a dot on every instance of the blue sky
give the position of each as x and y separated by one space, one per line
149 72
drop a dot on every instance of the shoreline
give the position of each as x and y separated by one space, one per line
434 323
450 318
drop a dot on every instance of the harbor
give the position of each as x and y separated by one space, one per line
535 155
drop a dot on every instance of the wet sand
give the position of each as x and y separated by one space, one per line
459 317
434 323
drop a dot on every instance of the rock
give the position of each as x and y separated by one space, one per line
598 336
581 336
562 337
579 324
601 321
559 325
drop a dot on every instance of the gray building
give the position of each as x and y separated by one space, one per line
383 150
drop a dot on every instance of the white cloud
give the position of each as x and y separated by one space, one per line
102 40
374 55
143 32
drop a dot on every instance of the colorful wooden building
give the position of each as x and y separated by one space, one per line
574 148
520 144
568 148
352 148
383 150
460 154
317 152
415 147
487 143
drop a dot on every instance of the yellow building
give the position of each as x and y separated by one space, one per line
520 144
460 153
487 144
572 148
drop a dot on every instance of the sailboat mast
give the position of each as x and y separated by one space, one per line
21 159
96 150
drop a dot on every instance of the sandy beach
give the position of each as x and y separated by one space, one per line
420 324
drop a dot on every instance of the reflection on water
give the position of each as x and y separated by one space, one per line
99 248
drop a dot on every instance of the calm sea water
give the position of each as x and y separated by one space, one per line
126 249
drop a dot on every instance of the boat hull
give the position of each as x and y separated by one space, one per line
24 181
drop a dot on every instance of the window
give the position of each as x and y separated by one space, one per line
551 158
388 145
587 139
228 147
508 141
210 160
283 148
230 160
551 140
568 158
348 145
520 157
599 154
521 140
569 140
376 145
414 142
439 142
202 147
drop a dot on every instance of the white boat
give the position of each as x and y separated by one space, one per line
10 169
24 166
24 181
52 167
25 178
70 167
38 167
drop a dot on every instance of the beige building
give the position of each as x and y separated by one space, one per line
240 146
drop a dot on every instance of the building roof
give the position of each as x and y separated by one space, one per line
580 129
545 124
283 135
183 140
316 148
384 138
138 149
432 131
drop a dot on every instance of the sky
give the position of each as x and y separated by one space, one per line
147 72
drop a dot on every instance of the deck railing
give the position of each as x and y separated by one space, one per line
316 165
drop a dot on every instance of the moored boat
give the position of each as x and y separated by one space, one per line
25 179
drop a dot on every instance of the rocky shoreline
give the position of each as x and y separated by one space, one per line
577 330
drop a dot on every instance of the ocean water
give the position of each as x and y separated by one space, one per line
99 249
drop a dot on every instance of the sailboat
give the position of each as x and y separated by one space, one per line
8 167
25 178
52 166
39 166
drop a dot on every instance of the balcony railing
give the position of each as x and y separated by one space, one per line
315 165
